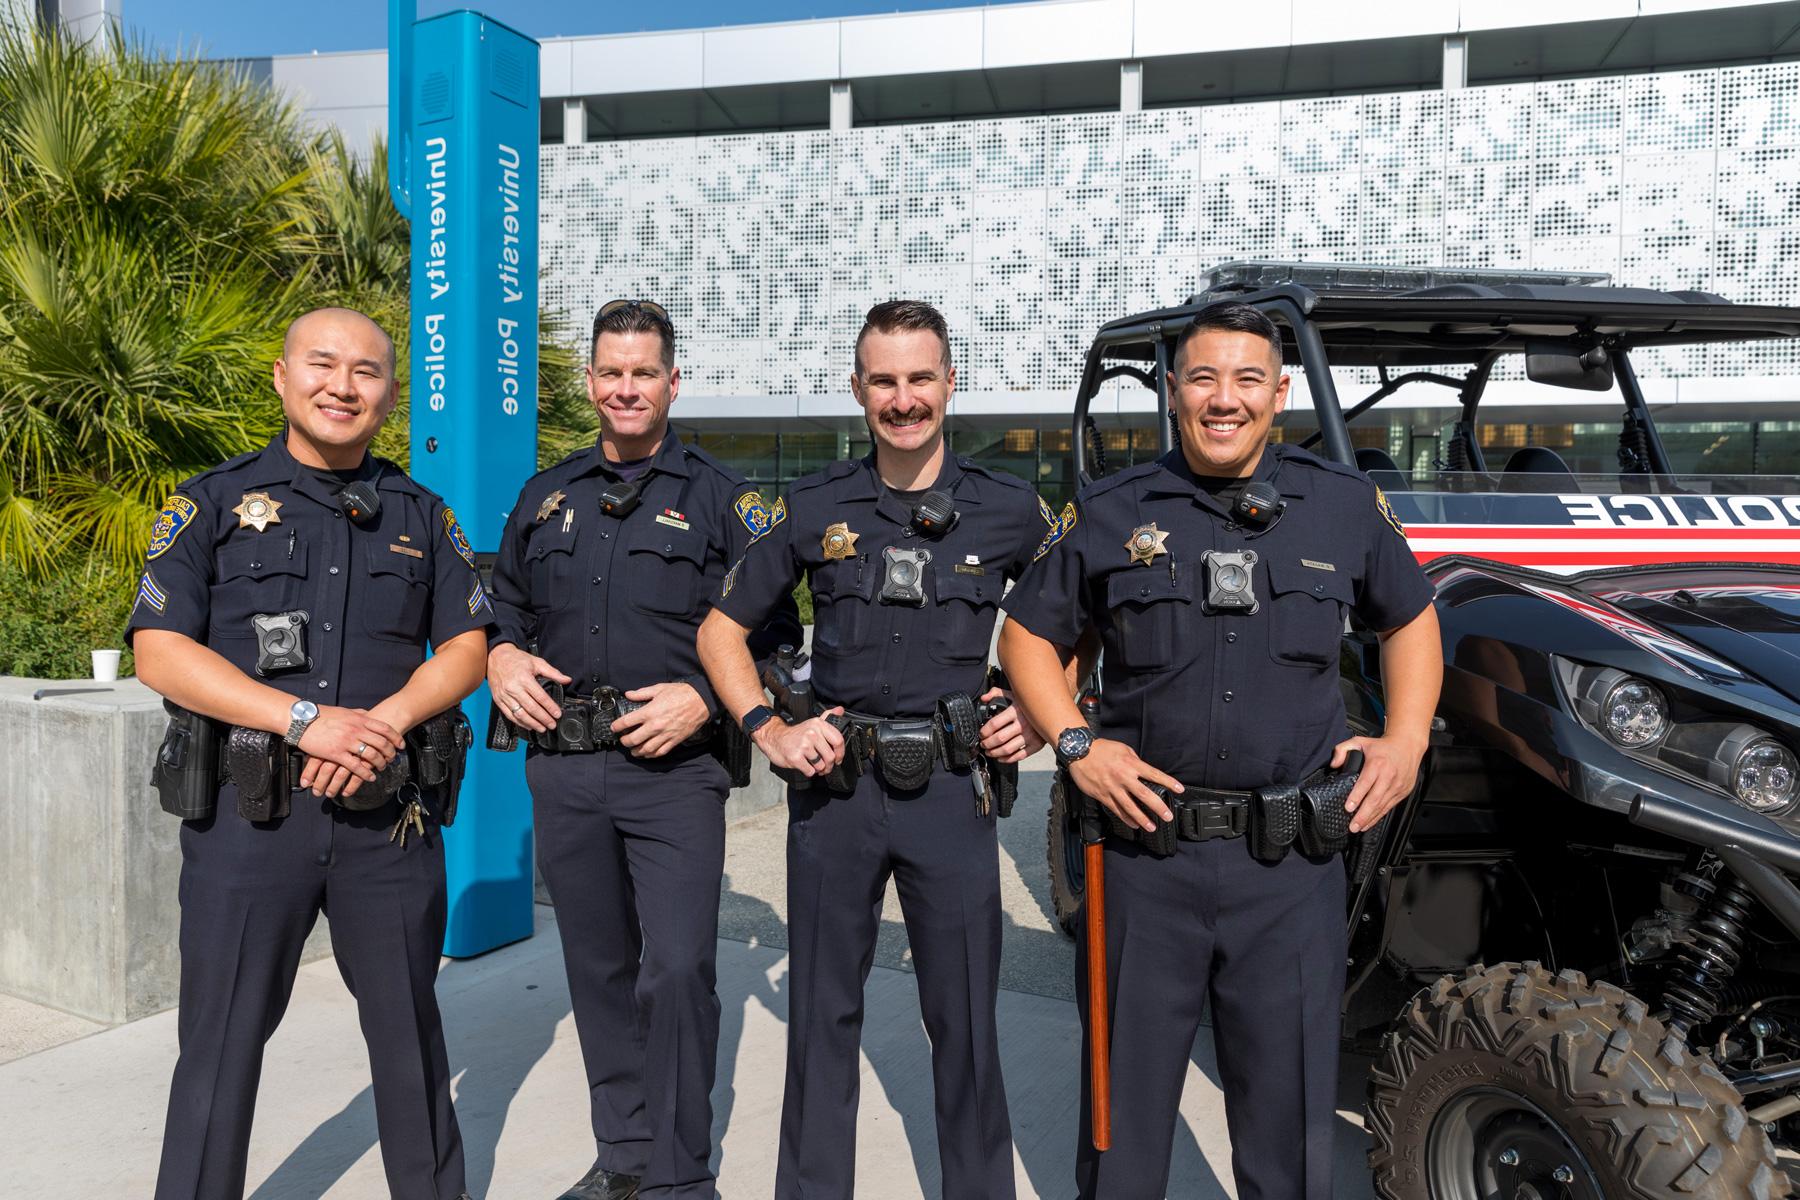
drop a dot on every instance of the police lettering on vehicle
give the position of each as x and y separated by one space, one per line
1572 534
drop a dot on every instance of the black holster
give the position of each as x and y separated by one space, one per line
1005 777
1309 814
256 762
849 769
731 746
186 771
905 751
439 749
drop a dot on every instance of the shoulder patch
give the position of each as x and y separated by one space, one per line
1059 528
176 512
757 516
1387 512
458 541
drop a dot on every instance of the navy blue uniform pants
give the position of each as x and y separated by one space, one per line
1265 944
944 860
249 896
633 853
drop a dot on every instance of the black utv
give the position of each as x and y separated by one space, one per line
1575 949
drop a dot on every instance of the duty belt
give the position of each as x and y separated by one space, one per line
1309 814
907 749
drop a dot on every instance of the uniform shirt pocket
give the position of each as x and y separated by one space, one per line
842 614
963 625
1149 616
257 575
551 566
399 595
1306 612
666 569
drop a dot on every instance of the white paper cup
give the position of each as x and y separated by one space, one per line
106 665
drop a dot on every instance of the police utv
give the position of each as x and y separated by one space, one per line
1575 948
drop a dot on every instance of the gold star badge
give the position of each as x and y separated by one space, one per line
1146 542
257 511
551 503
838 541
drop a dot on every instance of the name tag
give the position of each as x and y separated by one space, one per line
966 569
406 550
666 519
1317 566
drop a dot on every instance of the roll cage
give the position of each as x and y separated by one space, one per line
1409 319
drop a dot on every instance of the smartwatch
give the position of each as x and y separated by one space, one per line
1073 744
756 718
302 714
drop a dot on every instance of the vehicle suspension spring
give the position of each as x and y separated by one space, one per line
1703 965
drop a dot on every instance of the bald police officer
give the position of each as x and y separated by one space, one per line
271 602
1219 610
605 569
907 553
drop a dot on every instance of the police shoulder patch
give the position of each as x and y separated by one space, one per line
176 512
1387 512
459 542
754 514
1059 529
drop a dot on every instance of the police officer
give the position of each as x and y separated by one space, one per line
1219 609
242 557
907 553
605 569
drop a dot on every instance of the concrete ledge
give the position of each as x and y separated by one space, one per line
89 863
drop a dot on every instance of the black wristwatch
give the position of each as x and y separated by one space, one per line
1073 744
756 718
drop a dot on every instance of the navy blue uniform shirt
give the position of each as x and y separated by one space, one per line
263 534
886 659
1228 699
617 603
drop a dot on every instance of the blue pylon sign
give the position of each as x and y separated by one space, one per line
463 168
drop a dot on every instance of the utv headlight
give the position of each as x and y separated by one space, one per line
1630 712
1763 775
1741 760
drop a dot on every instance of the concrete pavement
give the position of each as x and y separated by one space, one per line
85 1118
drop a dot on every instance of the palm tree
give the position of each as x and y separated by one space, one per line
151 252
161 221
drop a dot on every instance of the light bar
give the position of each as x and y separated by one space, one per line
1254 274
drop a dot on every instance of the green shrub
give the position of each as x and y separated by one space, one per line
49 623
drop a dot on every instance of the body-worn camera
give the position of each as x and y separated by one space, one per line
619 499
903 576
280 642
1230 581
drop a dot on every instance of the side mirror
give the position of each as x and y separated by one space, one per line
1558 364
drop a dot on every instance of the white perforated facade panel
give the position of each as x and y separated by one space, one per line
1031 232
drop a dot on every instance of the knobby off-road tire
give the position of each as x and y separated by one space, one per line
1064 852
1550 1071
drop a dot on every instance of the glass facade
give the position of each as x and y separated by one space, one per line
1041 456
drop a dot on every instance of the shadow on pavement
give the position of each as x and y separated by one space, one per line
488 1064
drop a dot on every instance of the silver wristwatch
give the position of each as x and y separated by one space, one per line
301 715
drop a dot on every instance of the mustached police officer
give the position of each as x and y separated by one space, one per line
605 569
907 552
1219 606
287 600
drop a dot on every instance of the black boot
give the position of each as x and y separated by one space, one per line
602 1184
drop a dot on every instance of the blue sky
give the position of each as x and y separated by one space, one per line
234 28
